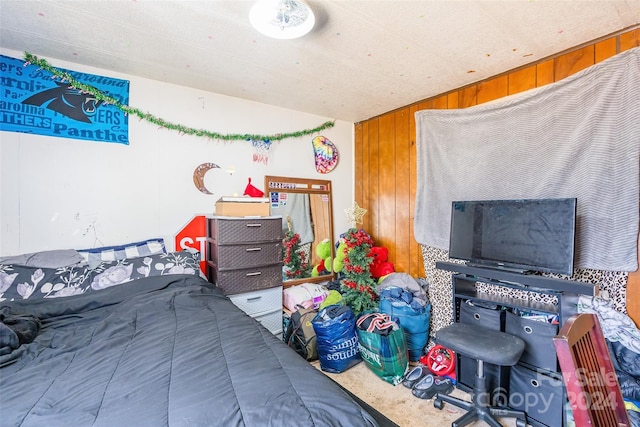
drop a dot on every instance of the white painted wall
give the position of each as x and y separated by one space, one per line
66 193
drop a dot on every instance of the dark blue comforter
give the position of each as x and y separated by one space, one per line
161 351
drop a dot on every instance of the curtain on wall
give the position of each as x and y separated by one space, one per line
579 137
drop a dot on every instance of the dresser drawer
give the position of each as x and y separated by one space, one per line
245 230
247 255
247 279
272 321
259 302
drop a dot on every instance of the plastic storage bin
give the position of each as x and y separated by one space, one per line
538 336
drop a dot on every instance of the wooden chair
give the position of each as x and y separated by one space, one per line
589 377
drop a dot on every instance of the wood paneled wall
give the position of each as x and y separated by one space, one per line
385 151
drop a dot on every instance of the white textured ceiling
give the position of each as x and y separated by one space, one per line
362 59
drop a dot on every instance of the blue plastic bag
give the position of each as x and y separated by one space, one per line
336 338
414 323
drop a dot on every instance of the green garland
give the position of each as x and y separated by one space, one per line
63 76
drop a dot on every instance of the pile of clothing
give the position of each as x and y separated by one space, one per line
405 300
623 340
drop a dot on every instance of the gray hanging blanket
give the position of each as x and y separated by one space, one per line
578 137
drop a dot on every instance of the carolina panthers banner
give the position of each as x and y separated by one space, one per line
32 102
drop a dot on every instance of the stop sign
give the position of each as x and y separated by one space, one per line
194 235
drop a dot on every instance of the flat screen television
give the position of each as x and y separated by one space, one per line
520 235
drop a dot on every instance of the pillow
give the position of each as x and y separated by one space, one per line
19 282
111 273
46 259
95 256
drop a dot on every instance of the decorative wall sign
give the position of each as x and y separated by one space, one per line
326 154
198 176
33 102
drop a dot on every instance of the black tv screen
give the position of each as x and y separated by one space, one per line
523 234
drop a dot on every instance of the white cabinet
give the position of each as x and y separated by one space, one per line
264 305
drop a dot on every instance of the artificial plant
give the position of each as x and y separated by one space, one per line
293 257
358 288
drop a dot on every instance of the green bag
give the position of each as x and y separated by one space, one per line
383 346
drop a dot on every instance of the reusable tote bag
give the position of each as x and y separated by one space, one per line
383 346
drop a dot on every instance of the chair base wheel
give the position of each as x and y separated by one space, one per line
521 423
439 404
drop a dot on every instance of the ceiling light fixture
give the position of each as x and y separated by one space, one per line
282 19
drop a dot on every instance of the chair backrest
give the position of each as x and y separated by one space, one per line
589 377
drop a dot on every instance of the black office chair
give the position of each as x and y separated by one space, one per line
488 346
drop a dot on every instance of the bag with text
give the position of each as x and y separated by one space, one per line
337 340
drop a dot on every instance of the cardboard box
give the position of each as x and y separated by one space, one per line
242 206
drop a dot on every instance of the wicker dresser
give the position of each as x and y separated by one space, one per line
244 259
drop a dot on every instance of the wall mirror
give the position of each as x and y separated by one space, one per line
305 205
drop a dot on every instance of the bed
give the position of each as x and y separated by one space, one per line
147 341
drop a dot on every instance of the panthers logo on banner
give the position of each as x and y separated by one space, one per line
32 102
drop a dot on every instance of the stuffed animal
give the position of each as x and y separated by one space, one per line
380 266
341 252
323 250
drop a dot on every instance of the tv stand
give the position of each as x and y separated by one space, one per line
497 267
537 374
532 282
